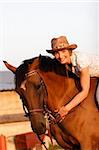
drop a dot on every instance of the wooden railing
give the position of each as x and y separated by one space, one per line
11 118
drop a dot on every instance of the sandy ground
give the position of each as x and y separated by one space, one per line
10 103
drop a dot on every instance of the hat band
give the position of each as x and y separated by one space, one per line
59 49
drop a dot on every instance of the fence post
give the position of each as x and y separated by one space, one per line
3 143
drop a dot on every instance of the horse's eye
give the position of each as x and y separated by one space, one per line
38 86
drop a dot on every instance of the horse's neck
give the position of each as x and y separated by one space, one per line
60 89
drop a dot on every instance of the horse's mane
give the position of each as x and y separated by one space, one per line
45 63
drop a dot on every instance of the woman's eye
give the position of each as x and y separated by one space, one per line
56 54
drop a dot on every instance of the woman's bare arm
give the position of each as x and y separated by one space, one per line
85 84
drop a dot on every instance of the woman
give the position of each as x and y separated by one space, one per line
82 64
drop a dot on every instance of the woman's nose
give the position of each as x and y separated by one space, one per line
60 54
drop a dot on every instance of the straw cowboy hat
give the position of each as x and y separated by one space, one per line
59 44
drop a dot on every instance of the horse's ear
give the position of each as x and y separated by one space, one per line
40 56
10 67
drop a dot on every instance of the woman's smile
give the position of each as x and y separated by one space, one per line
63 57
63 60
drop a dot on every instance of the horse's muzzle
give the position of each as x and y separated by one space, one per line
40 129
38 124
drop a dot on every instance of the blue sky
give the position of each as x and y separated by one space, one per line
27 27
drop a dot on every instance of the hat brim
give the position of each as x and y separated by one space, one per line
70 47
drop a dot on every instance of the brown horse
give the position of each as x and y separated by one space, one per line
44 83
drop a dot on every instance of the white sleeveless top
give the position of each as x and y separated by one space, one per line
82 60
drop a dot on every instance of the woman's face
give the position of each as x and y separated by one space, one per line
63 56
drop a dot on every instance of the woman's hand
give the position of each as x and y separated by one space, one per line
60 114
63 112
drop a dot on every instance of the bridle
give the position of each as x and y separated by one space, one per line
30 112
49 116
52 117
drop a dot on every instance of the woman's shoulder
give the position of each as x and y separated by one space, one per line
85 59
82 58
81 55
88 60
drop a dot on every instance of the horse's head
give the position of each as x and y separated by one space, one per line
32 91
30 86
